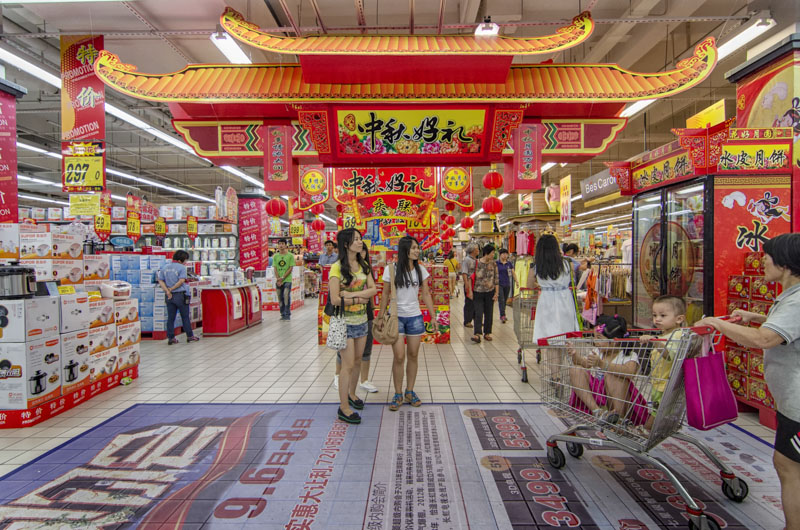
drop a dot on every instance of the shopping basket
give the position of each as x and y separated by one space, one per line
524 315
585 380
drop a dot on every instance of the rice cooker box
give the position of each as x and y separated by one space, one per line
9 241
74 312
103 364
29 319
67 246
129 356
30 373
130 333
68 271
96 267
75 360
102 338
101 312
126 311
36 245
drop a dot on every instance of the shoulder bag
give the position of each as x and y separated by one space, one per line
337 329
384 329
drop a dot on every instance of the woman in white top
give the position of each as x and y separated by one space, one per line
409 278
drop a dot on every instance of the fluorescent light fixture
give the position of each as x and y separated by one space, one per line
754 28
601 221
693 189
29 68
39 181
505 224
577 197
503 196
41 199
327 218
487 28
158 185
229 48
284 221
547 166
242 175
636 107
476 214
146 127
603 209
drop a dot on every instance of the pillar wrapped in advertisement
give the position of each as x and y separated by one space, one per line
253 233
280 173
9 212
523 171
83 115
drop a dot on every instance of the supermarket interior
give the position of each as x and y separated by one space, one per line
576 218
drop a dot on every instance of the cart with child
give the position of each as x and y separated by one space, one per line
524 316
627 394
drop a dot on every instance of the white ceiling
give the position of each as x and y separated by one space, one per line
663 31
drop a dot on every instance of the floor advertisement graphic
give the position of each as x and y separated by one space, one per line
294 467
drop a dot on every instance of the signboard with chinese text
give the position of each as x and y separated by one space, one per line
83 166
191 227
675 167
9 205
456 185
280 175
523 171
758 150
133 225
566 201
102 224
160 227
314 187
84 204
83 115
254 233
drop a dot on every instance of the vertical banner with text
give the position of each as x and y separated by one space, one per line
133 217
253 233
102 221
9 212
280 175
523 171
191 227
566 202
83 115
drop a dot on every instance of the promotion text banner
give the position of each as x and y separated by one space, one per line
280 175
523 171
377 193
9 205
83 166
566 201
456 185
83 115
314 188
84 204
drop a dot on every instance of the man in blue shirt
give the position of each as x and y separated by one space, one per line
172 279
329 257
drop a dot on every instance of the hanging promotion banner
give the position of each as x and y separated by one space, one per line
456 185
83 115
191 227
84 204
160 227
9 205
102 221
83 166
381 193
313 186
566 201
523 171
280 175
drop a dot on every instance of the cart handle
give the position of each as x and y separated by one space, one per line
569 335
705 330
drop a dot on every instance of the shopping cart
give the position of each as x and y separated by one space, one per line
524 314
617 408
311 280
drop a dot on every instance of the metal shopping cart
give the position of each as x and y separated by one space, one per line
311 281
524 314
588 381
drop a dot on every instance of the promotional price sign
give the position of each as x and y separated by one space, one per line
82 92
80 204
134 224
297 228
160 228
102 225
566 202
191 227
83 166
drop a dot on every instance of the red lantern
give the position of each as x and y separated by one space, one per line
450 206
276 207
340 222
492 180
443 216
318 209
340 208
318 225
493 206
450 220
467 223
467 209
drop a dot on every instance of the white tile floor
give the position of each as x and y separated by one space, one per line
281 362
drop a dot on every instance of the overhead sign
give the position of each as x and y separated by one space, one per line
523 171
83 115
83 166
709 116
599 185
313 186
456 185
84 204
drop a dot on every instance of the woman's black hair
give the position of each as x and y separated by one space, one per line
180 256
548 261
451 255
488 249
403 277
785 251
344 239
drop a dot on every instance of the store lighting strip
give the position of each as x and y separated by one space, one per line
59 186
601 221
229 48
242 175
41 199
603 209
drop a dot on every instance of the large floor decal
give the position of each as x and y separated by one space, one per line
437 467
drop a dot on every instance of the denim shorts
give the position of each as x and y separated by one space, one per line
357 331
411 326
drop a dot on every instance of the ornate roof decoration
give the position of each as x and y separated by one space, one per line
263 83
566 37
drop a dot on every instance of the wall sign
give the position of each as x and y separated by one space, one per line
598 185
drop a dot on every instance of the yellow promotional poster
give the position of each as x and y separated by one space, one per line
708 117
566 202
102 224
663 170
160 228
191 227
297 228
80 204
83 166
134 226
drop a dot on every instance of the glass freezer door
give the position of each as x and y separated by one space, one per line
647 272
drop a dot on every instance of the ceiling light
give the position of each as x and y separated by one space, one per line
547 166
229 48
38 150
503 196
29 68
611 207
327 218
636 107
751 30
601 221
158 185
476 214
577 197
242 175
39 181
487 28
42 199
283 221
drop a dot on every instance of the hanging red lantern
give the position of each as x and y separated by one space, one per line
276 207
340 222
467 223
450 220
318 225
340 208
450 206
467 209
493 206
318 209
492 180
443 216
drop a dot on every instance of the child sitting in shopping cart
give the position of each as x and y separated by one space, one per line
601 377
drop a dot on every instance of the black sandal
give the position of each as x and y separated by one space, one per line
353 418
357 403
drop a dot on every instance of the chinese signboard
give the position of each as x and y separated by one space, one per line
254 233
456 185
83 115
9 212
313 186
656 173
84 204
102 221
83 166
191 227
566 201
523 171
279 171
754 157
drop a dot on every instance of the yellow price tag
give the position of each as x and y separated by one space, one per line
191 226
83 173
160 227
80 204
102 222
134 226
414 224
66 289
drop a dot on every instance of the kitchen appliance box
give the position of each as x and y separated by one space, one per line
102 338
96 267
129 356
29 319
128 334
9 241
47 245
75 314
63 271
103 364
30 373
126 311
101 312
75 363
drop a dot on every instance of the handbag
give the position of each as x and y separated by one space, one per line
385 328
337 330
709 399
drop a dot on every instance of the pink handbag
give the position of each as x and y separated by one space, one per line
709 399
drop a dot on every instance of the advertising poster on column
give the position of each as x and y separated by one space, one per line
566 203
253 233
9 204
82 92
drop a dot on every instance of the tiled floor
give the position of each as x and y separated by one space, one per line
281 362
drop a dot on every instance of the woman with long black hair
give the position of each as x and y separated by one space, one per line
409 278
350 280
555 310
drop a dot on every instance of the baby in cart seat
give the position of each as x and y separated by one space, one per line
602 380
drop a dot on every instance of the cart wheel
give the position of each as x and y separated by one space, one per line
575 449
538 357
739 484
711 524
524 375
556 457
519 356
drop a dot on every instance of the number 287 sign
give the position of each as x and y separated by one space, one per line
83 166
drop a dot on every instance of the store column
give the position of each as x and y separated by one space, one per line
9 92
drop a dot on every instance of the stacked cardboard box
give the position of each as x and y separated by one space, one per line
76 317
54 257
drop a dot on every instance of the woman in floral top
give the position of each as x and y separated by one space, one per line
485 292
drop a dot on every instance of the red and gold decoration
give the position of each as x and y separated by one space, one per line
275 207
83 94
280 174
381 193
318 225
83 166
313 187
492 181
102 221
467 222
523 169
253 233
456 187
160 227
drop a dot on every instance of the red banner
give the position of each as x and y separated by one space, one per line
253 233
383 193
83 115
456 185
9 212
523 171
313 186
102 221
280 175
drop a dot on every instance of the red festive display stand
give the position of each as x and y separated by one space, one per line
14 419
224 310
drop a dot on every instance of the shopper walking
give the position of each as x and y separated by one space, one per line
452 272
366 384
172 280
329 257
506 273
350 282
485 293
409 279
779 337
283 263
467 270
